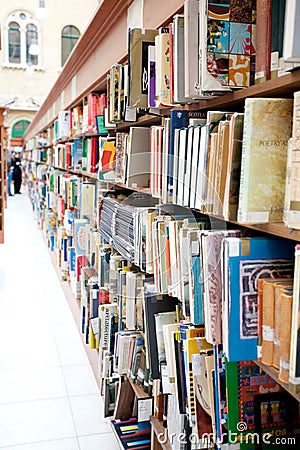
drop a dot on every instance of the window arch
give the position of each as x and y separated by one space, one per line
19 128
69 37
22 32
14 43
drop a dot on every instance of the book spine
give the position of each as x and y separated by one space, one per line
243 192
264 41
294 376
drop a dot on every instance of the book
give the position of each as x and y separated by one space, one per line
139 41
294 376
264 34
246 259
87 199
267 128
151 76
191 50
268 317
178 119
155 303
226 45
278 18
232 182
291 202
246 384
162 68
284 333
138 157
291 47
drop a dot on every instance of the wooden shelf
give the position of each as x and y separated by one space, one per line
293 389
283 86
138 390
159 430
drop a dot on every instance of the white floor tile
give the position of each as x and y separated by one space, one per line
59 444
88 415
71 353
80 380
24 385
49 398
98 441
34 421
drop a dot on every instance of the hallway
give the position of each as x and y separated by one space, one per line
49 398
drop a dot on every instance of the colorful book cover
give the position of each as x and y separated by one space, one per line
257 405
80 236
227 39
77 153
267 129
245 261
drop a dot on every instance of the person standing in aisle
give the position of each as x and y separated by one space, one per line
10 169
17 173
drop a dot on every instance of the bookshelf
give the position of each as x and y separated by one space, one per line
79 78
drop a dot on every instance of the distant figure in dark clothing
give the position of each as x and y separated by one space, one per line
17 174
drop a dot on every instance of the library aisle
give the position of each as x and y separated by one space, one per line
49 398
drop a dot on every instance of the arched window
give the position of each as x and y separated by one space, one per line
22 39
19 128
31 40
69 37
14 43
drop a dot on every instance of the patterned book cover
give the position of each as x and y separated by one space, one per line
228 41
267 129
257 406
245 261
212 243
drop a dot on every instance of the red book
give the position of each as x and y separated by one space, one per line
263 40
68 155
94 154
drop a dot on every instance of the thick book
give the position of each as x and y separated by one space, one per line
269 316
291 215
284 333
267 129
245 260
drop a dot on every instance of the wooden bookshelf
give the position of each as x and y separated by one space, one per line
293 389
107 28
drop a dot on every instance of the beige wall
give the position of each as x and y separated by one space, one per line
16 83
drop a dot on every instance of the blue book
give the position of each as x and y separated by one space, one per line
198 297
246 260
76 153
178 119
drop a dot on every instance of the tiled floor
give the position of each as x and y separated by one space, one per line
49 398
